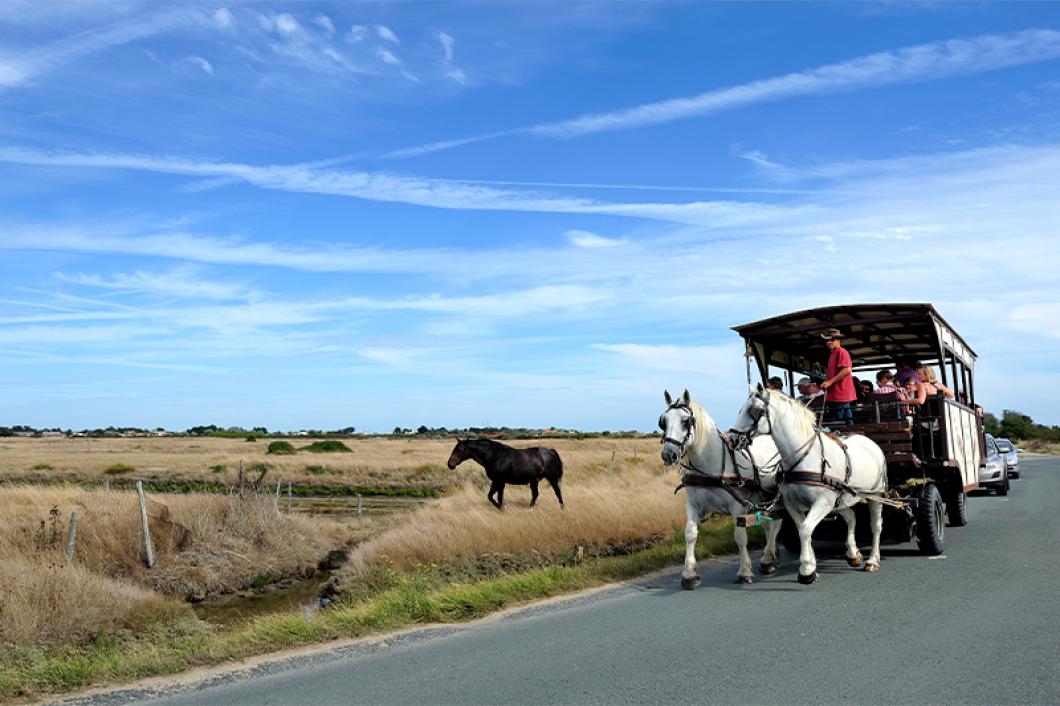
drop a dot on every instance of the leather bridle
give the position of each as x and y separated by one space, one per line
688 432
743 438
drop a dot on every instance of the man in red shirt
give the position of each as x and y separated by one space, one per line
838 385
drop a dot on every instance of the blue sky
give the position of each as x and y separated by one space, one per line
314 215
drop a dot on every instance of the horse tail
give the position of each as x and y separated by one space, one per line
558 465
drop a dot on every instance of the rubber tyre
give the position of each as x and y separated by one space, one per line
957 509
930 522
789 537
1002 489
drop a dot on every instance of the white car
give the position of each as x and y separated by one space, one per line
993 474
1012 456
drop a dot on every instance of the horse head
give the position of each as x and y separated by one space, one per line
461 452
678 425
752 419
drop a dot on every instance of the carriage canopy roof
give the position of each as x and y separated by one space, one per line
874 335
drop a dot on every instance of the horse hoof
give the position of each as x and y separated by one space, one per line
807 580
689 583
767 569
854 561
745 579
872 568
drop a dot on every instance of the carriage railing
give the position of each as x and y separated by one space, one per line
901 427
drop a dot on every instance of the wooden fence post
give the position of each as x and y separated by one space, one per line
143 522
71 537
276 500
240 476
360 509
288 497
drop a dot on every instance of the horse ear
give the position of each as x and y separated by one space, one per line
666 396
686 398
760 388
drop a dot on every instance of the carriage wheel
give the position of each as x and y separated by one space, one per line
930 522
957 509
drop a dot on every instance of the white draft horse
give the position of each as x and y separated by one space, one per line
822 473
720 479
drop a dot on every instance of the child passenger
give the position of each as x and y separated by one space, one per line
885 382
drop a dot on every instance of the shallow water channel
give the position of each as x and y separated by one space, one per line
303 595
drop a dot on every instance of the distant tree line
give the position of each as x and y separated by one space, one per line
1017 425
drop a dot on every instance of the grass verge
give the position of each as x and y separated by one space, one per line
410 598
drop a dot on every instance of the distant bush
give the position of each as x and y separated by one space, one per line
42 467
219 468
251 437
281 448
115 469
328 446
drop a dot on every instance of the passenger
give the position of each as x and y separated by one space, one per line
905 371
932 386
776 383
866 388
838 384
885 383
809 393
913 394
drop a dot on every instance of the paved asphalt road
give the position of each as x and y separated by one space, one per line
979 625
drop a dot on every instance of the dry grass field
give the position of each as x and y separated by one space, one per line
203 543
603 513
373 462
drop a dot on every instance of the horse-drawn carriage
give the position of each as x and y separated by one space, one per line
933 450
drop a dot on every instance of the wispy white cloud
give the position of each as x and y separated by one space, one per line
202 63
325 23
386 34
411 190
923 62
585 239
20 69
184 283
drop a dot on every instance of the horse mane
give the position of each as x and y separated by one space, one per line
701 416
804 418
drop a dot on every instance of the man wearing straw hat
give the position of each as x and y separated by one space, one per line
838 385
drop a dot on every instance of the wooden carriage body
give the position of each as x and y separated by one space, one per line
940 441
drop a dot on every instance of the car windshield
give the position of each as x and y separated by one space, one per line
1003 446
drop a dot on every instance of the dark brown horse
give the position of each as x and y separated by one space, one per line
505 465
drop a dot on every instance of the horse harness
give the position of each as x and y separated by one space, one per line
695 478
787 470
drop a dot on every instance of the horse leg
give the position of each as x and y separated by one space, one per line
854 557
500 496
495 488
555 488
876 523
807 559
745 574
533 493
770 555
690 575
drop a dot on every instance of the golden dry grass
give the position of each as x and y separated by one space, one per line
203 543
373 461
624 507
48 603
